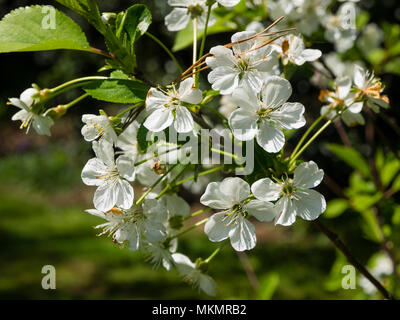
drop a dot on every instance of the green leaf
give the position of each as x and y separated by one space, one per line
393 66
396 215
352 157
142 138
268 286
117 90
389 171
79 6
335 208
363 202
136 21
22 30
371 226
88 9
184 38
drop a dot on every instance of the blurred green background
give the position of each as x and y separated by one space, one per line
42 199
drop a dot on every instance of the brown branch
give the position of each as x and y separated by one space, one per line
342 133
342 247
248 268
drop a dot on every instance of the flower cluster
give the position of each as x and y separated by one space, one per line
139 166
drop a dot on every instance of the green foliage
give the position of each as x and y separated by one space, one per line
117 90
141 138
351 156
22 30
335 208
133 23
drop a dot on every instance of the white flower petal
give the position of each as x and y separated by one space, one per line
105 197
307 175
261 210
360 77
246 99
235 189
266 190
309 204
184 120
286 212
243 236
124 194
243 124
224 79
343 86
177 19
126 167
276 91
214 198
216 227
221 57
26 96
159 120
271 139
289 116
94 169
311 54
356 107
105 152
239 45
228 3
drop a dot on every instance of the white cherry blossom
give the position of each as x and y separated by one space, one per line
342 102
371 87
296 197
136 225
110 177
41 123
184 11
98 127
167 107
231 197
292 49
245 65
266 114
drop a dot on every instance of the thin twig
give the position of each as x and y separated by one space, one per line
248 268
342 247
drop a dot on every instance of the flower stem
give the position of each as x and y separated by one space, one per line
203 42
197 224
194 45
141 199
197 213
119 115
306 134
170 185
295 156
162 45
199 175
77 100
73 84
212 255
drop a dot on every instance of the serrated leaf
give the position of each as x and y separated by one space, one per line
23 30
351 156
88 9
117 90
137 21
